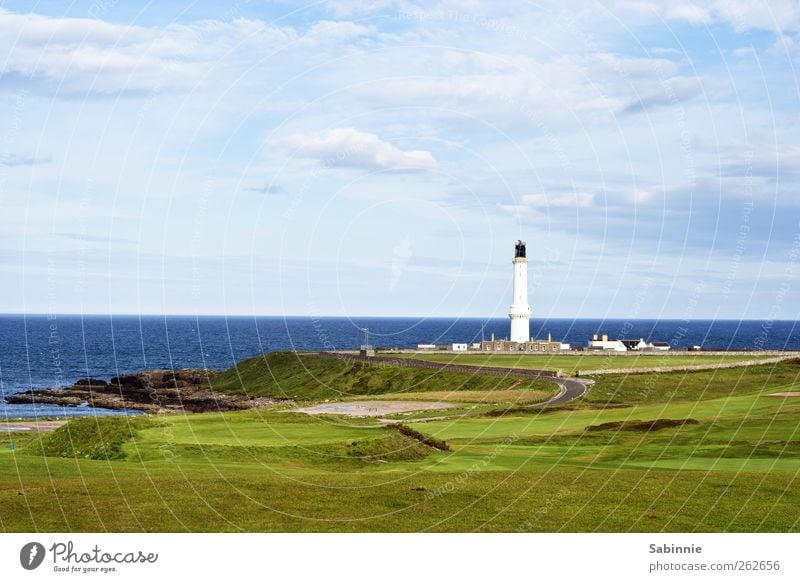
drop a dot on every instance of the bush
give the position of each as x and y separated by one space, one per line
418 436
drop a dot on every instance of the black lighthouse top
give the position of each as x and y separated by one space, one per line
519 250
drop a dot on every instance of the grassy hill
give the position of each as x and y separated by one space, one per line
696 385
571 363
734 469
311 377
678 451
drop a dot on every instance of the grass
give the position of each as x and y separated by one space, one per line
211 490
729 460
90 438
697 385
310 377
571 363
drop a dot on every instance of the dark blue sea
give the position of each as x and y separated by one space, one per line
45 351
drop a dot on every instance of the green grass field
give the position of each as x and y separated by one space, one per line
309 378
730 461
571 363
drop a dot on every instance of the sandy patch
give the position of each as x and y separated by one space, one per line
785 394
32 425
372 407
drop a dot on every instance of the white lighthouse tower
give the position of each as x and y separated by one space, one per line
520 312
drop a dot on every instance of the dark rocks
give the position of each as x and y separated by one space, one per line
129 381
91 382
151 391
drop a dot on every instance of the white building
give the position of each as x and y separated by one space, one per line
459 347
606 344
662 346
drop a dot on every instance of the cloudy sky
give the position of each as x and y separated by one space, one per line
382 157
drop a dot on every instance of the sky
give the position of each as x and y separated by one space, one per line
382 157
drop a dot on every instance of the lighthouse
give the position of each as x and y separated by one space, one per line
520 311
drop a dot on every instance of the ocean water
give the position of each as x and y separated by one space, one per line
46 351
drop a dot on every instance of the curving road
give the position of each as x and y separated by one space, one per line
570 389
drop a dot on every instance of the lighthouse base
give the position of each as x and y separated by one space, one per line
520 327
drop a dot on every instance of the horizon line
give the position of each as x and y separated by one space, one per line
363 316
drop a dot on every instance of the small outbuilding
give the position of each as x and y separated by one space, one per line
633 345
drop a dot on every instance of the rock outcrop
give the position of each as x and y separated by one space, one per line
151 391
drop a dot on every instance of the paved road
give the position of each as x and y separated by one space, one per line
570 389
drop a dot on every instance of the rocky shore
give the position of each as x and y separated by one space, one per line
151 391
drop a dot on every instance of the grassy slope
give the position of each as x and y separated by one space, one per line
309 377
171 497
90 438
737 469
500 477
570 363
702 385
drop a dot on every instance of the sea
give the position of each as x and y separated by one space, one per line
48 351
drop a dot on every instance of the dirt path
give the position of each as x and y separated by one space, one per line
365 408
32 426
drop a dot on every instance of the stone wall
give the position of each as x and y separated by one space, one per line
688 368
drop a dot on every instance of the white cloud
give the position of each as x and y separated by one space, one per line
665 51
347 147
689 12
777 15
741 15
744 52
564 90
535 204
13 160
331 31
632 67
665 93
82 54
786 44
643 196
579 200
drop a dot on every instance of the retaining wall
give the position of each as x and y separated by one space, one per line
687 368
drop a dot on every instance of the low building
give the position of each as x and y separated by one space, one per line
662 346
606 345
564 346
633 345
426 346
459 347
532 346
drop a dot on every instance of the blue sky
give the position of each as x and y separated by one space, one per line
382 157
